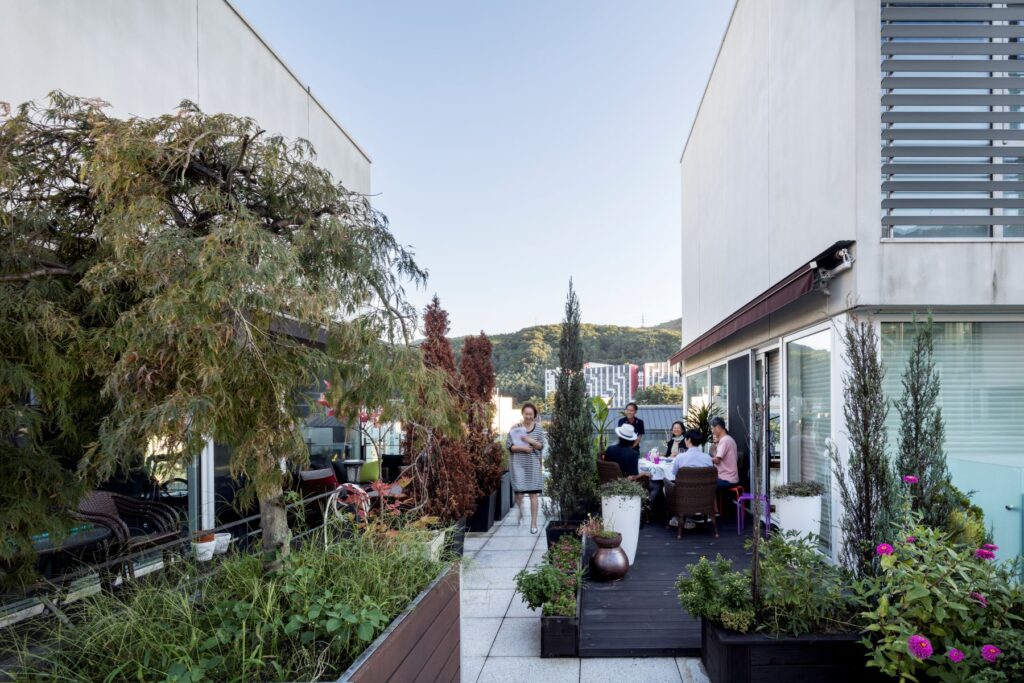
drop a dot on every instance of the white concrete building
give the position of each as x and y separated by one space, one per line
144 58
861 157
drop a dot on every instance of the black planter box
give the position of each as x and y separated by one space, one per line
556 529
483 518
503 501
731 657
560 636
459 537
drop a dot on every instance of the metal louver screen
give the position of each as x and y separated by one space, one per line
952 119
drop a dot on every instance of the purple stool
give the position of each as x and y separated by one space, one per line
741 513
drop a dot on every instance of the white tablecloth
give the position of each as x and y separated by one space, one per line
659 472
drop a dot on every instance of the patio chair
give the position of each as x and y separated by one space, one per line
608 471
135 524
694 494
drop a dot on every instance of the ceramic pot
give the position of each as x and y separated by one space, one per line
799 514
204 550
609 563
223 543
621 514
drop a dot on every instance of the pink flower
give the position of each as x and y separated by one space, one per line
990 653
990 546
919 647
909 479
910 539
884 549
955 655
983 554
979 598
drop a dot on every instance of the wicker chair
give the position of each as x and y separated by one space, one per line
608 471
694 494
136 524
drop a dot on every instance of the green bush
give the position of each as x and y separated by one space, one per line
552 585
933 588
715 592
799 489
623 487
801 590
307 622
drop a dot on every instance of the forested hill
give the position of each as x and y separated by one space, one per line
521 357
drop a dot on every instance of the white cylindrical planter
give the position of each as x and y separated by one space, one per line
801 514
622 514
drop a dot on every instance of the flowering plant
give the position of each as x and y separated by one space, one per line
941 609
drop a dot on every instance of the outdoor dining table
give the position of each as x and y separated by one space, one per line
53 554
659 471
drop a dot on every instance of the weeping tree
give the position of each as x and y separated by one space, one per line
573 482
921 445
866 482
179 278
478 380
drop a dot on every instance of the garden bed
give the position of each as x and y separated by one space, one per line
421 643
731 657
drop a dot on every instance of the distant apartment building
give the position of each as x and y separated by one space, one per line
658 373
858 158
615 383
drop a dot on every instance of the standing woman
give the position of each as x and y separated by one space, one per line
527 475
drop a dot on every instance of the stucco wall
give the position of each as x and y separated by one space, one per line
145 57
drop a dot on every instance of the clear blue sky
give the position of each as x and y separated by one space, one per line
518 143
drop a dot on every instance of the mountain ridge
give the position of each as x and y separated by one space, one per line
521 357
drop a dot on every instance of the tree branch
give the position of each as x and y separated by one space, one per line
32 274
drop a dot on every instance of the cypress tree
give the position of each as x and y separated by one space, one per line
866 485
922 432
573 482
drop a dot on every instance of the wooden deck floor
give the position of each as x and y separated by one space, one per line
640 616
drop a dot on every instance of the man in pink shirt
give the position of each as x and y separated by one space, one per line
726 455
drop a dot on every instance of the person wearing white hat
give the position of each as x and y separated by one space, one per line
623 454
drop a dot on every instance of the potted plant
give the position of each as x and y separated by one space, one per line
553 587
572 485
609 561
621 501
804 624
798 507
699 417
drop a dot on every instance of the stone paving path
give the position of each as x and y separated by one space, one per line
501 637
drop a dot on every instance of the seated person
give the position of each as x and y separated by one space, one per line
693 456
623 454
725 456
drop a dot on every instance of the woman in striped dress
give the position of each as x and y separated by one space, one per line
526 448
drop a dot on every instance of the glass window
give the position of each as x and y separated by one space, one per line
981 371
696 389
809 415
720 388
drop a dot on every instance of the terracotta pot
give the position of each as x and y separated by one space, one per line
609 563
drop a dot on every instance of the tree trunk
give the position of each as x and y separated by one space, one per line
274 525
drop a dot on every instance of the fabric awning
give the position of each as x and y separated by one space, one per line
786 291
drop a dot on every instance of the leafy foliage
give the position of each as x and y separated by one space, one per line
800 590
573 480
552 585
659 394
450 477
865 482
478 379
627 488
699 417
799 489
931 587
308 622
170 274
713 591
602 421
922 432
